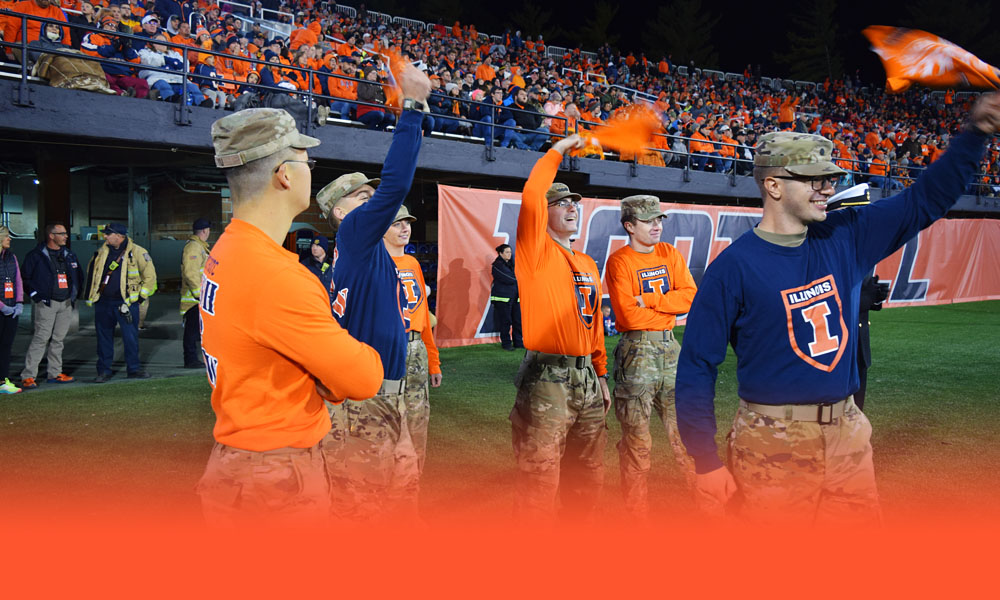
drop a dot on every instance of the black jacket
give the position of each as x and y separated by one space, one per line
504 280
39 276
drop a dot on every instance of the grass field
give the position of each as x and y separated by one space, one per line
932 400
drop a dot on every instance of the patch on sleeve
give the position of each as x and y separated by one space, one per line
146 256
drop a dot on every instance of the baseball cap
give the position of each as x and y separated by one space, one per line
115 228
149 18
330 195
403 214
201 223
799 153
558 191
254 133
858 195
322 242
641 207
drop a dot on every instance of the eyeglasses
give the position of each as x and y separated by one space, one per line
817 183
311 162
564 203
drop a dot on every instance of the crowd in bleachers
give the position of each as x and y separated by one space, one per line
506 89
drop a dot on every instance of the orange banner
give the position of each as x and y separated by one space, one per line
952 261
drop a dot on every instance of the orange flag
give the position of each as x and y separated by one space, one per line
393 93
630 131
913 56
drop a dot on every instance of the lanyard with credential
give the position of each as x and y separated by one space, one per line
109 268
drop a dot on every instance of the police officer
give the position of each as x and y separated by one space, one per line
318 261
121 278
52 279
193 259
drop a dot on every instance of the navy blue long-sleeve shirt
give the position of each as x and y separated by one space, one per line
789 313
368 298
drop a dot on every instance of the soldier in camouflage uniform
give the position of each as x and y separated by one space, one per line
783 295
558 420
649 285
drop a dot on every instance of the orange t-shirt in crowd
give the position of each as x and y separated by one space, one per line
560 289
417 311
12 24
268 334
663 280
485 72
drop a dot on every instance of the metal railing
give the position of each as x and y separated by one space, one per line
411 23
346 10
380 17
896 177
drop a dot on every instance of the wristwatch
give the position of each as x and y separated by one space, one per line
411 104
605 376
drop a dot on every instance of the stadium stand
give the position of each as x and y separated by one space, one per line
334 60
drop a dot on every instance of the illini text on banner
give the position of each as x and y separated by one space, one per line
949 262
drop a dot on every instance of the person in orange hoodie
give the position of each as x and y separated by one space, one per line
306 35
703 152
485 72
344 88
39 8
786 112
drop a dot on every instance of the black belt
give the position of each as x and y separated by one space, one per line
412 335
559 360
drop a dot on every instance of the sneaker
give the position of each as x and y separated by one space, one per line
207 103
102 377
9 388
139 375
28 383
60 378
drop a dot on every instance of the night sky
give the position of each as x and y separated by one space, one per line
746 32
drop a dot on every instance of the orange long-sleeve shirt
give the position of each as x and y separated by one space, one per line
663 280
268 335
560 289
786 113
12 24
417 310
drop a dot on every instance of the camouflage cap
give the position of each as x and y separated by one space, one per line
641 208
799 153
342 186
254 133
558 191
403 214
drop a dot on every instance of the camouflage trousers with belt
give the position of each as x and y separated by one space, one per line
276 488
559 435
417 398
645 370
371 462
803 472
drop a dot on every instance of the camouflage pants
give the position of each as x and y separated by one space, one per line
645 371
802 472
371 462
559 434
417 397
284 487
